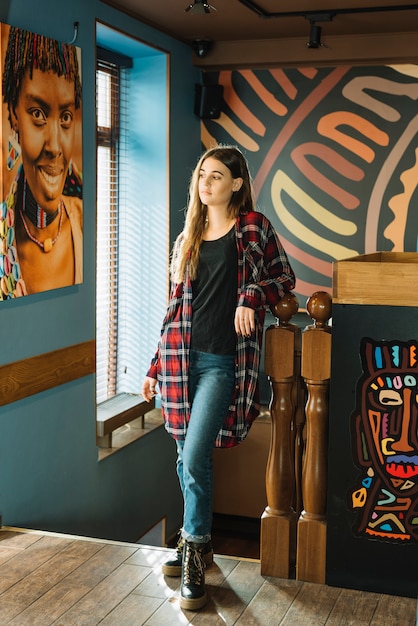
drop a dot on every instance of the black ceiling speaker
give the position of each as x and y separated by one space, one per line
208 101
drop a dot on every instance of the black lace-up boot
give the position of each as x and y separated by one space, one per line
193 593
173 565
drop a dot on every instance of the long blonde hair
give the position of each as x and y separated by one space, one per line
188 243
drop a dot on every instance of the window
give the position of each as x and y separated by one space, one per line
132 215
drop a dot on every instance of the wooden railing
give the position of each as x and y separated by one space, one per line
297 362
30 376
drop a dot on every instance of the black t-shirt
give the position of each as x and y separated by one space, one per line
215 296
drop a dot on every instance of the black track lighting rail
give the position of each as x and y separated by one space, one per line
324 14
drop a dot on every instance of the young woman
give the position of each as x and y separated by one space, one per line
227 266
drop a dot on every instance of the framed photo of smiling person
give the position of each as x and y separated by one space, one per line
41 233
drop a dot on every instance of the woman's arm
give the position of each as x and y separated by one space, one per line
275 275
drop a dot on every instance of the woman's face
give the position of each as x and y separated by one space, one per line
44 119
216 184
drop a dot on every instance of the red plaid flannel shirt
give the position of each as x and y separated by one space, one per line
264 275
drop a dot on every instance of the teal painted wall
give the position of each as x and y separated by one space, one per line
50 477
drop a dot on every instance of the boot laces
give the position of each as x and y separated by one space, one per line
193 566
179 547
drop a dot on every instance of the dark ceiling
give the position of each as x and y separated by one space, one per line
235 20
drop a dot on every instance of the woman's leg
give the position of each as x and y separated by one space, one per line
211 392
211 383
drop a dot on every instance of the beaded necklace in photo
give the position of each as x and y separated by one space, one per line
39 218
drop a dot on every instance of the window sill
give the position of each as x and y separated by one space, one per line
125 412
130 432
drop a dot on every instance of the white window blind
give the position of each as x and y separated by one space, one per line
108 189
132 216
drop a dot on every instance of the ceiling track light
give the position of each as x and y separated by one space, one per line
315 32
266 14
199 7
322 15
314 36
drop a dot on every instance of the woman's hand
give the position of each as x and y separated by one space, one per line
148 388
244 321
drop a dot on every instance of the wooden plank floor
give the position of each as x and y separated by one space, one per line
48 578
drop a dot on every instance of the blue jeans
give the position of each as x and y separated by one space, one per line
211 383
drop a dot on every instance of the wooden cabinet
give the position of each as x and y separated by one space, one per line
240 473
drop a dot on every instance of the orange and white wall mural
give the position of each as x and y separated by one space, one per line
334 157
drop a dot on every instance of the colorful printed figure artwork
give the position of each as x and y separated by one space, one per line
385 442
41 207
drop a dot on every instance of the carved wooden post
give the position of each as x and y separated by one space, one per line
278 521
300 402
316 370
